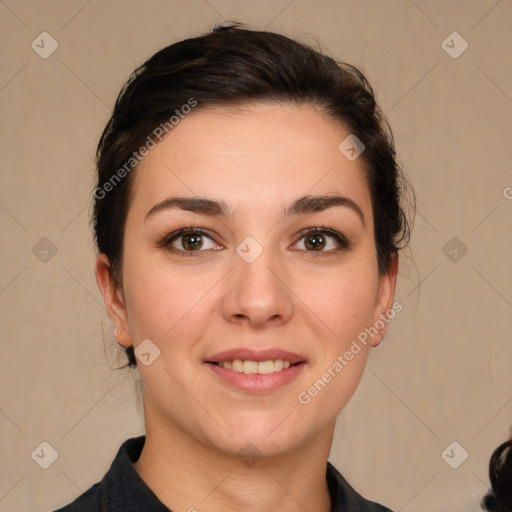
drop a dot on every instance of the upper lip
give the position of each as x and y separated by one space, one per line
246 354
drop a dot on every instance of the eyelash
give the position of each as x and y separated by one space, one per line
165 241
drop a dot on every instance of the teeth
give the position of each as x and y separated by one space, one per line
252 367
266 367
236 365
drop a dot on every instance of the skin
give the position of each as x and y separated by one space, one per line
258 160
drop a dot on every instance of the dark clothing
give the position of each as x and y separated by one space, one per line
122 489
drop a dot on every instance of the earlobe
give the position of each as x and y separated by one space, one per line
112 297
384 306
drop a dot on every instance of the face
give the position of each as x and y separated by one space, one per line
261 276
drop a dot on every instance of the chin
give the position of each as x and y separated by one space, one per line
269 434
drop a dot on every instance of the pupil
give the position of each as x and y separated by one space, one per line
193 241
315 241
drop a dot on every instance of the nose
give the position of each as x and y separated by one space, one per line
257 293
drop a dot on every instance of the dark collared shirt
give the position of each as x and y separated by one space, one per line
122 489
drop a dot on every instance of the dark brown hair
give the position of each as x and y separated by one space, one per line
233 66
499 498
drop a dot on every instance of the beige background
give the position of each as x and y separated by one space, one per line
443 373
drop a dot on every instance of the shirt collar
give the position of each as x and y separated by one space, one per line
134 494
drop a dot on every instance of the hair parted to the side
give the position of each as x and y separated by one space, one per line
233 66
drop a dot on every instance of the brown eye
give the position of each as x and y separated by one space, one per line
315 242
187 241
191 241
322 240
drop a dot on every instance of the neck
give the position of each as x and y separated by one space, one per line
186 475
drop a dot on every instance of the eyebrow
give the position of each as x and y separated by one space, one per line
213 208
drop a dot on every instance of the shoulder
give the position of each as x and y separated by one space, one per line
119 488
89 501
345 498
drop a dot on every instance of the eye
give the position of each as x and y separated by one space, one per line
320 238
317 241
188 240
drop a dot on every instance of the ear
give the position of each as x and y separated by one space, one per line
384 304
114 300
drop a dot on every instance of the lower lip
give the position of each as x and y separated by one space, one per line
256 383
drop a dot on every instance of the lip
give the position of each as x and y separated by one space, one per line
256 383
246 354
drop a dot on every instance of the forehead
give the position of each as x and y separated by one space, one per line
251 157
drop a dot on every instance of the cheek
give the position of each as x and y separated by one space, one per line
161 302
343 300
343 308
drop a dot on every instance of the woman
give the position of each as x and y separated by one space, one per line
248 221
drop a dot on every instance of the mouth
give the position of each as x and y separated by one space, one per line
252 367
256 372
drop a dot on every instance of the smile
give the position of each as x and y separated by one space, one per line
252 367
256 371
